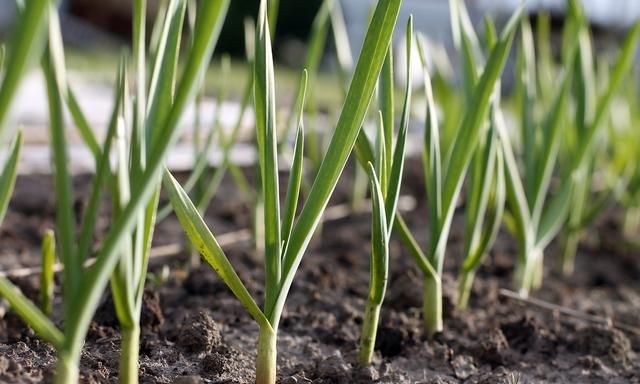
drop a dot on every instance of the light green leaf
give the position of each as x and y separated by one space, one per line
8 176
549 153
386 103
207 245
392 193
379 241
265 108
208 27
31 314
25 49
295 174
348 127
163 76
65 217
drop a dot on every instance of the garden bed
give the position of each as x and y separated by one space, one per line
195 331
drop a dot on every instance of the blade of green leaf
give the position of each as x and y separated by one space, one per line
515 190
8 176
481 179
397 160
554 215
163 77
102 173
295 174
82 123
65 217
122 282
31 314
386 95
206 243
379 241
621 67
26 46
208 28
265 108
381 154
466 138
549 154
431 155
355 107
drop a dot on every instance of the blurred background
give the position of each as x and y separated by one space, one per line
95 32
105 24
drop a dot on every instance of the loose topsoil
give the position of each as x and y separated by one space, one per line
195 331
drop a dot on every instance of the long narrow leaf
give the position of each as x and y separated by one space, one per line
31 314
379 241
621 67
397 160
208 29
26 47
431 155
102 174
163 77
553 131
355 107
82 123
386 95
65 217
8 176
206 243
265 106
295 175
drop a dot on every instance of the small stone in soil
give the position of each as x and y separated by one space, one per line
522 334
601 341
463 366
334 367
214 363
493 345
365 374
394 378
199 334
188 380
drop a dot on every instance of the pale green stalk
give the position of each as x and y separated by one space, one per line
385 181
46 275
445 174
89 283
281 263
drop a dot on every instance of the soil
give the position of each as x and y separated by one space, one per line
195 331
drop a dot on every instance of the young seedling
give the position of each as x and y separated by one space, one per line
385 179
442 197
535 217
283 249
153 124
486 190
586 203
445 174
46 275
527 199
484 208
26 47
